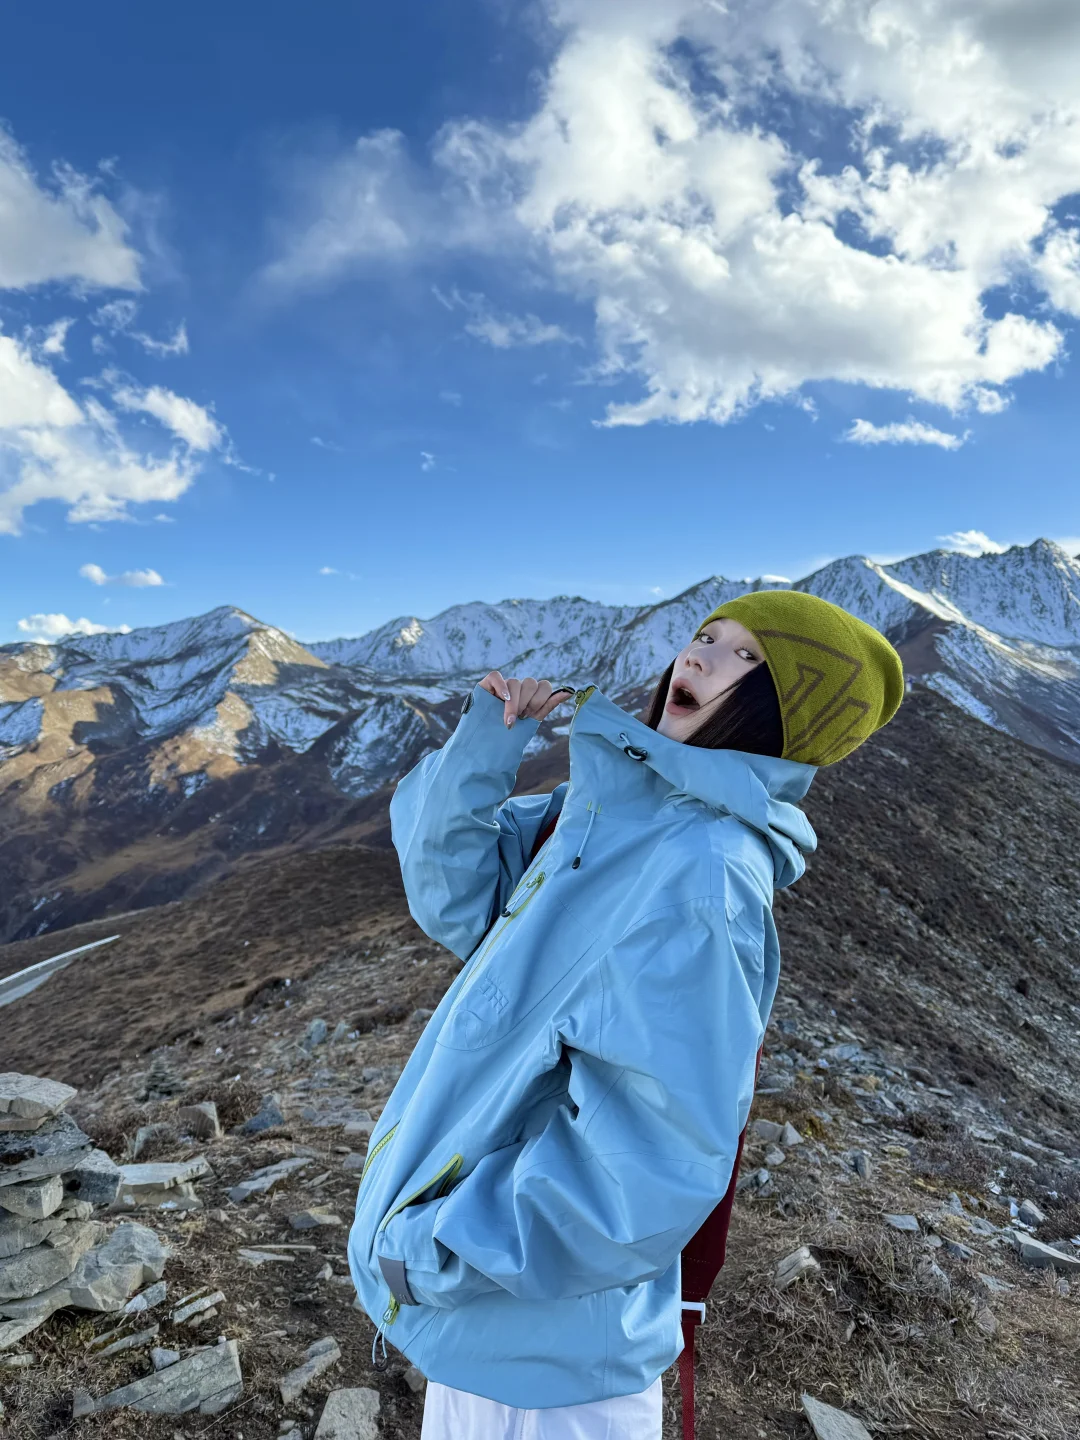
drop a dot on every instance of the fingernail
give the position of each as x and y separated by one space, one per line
506 696
510 722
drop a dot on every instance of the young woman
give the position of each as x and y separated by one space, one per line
570 1115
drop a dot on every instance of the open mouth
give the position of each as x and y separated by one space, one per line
681 701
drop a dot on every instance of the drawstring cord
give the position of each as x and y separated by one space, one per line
581 848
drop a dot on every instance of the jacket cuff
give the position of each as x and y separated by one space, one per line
482 723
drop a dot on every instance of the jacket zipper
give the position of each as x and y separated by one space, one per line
372 1153
443 1181
509 913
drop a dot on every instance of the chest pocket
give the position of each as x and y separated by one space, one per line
528 953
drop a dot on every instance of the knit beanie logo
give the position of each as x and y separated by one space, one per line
837 679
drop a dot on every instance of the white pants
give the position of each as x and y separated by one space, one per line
456 1415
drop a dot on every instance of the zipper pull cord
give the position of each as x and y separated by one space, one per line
382 1363
581 848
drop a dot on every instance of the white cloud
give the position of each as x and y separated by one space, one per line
972 542
427 460
730 254
189 422
56 337
502 331
905 432
118 316
327 570
325 444
56 626
30 394
135 579
62 229
54 449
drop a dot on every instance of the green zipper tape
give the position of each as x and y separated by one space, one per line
372 1153
443 1181
532 889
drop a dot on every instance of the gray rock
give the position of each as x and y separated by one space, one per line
352 1414
908 1223
264 1257
860 1162
767 1130
75 1210
103 1279
1033 1252
986 1321
935 1279
206 1381
139 1181
829 1423
959 1251
32 1271
313 1217
318 1358
33 1199
414 1379
994 1285
94 1180
12 1331
161 1358
267 1117
1030 1213
794 1266
138 1340
341 1032
774 1155
200 1120
843 1053
753 1180
55 1146
790 1136
184 1312
978 1226
17 1234
147 1299
315 1034
353 1161
146 1134
361 1124
27 1100
265 1179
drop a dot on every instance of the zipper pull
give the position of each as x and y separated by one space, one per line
507 912
382 1362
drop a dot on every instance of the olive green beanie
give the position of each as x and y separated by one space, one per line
837 678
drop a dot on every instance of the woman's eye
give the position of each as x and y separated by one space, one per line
747 654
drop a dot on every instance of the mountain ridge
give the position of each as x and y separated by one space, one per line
175 749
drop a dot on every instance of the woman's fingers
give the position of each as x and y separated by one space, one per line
564 692
529 698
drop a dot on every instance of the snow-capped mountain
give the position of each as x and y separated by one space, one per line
151 738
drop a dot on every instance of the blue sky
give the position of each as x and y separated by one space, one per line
372 313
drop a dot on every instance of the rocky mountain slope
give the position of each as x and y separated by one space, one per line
134 766
924 1046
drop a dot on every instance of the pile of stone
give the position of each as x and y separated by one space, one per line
55 1252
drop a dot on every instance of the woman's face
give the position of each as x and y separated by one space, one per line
719 654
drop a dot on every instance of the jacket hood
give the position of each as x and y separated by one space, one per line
618 760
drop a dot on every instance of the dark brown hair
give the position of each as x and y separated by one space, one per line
749 719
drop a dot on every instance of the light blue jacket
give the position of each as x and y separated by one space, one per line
570 1115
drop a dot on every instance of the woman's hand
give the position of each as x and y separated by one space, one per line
528 698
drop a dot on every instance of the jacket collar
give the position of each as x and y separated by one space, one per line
617 761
